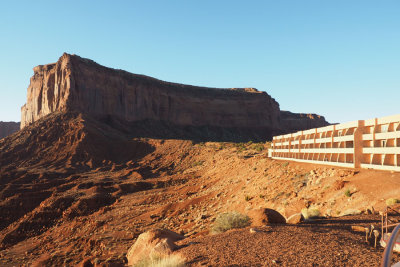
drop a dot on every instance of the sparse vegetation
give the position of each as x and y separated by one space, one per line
197 163
285 164
248 198
258 147
173 260
310 213
392 201
347 193
230 220
278 195
240 147
221 146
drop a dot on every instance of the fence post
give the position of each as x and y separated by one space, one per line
358 144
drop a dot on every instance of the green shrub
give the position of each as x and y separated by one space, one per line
310 213
347 193
285 164
230 220
197 163
259 148
392 201
248 198
221 146
240 147
173 260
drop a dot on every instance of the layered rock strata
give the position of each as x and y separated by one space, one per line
75 84
293 122
78 84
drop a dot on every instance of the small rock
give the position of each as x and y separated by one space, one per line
295 218
254 230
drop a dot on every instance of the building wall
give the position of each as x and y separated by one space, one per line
373 143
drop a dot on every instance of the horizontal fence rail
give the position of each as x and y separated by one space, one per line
373 144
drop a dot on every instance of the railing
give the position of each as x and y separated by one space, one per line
373 144
387 254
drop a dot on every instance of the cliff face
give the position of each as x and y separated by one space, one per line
81 85
75 84
7 128
293 122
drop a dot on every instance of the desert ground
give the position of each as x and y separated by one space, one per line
67 204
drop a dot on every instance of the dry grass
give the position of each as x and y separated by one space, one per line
392 201
174 260
310 213
230 220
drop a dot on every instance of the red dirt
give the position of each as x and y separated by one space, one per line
321 243
72 188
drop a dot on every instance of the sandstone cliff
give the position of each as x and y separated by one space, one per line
293 122
75 84
7 128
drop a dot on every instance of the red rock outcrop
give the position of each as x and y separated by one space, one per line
75 84
7 128
293 122
78 84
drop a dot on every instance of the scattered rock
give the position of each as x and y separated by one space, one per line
154 242
254 230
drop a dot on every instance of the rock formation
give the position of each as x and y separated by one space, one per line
81 85
293 122
7 128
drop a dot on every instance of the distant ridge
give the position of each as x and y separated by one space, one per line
7 128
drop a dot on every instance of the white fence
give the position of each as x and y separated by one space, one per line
373 143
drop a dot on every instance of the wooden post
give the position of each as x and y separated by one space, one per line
358 144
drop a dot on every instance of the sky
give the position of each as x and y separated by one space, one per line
339 59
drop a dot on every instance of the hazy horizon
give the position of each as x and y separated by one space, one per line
338 59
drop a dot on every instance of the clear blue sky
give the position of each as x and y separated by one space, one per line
340 59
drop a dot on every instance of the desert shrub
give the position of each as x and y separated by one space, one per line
258 147
221 146
392 201
240 147
197 163
347 193
230 220
310 213
248 198
173 260
285 164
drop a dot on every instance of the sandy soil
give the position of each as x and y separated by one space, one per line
73 195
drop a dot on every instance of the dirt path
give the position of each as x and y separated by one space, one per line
326 243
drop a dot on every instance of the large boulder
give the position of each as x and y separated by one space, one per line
153 243
263 216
